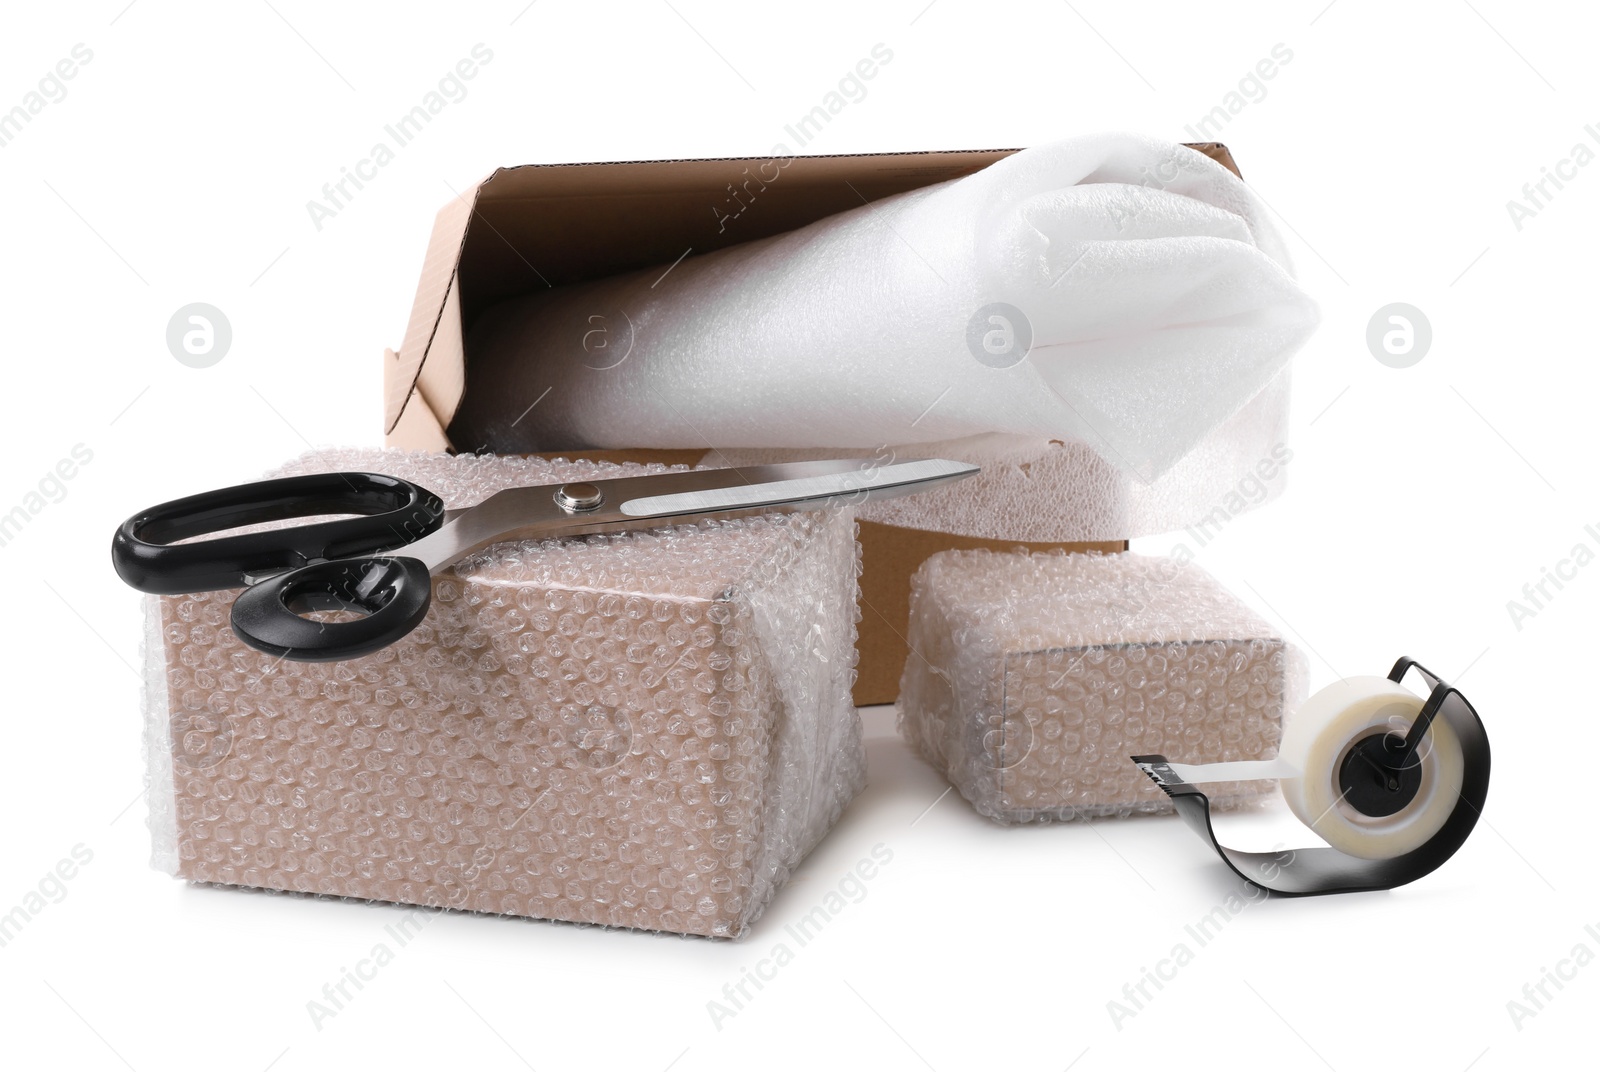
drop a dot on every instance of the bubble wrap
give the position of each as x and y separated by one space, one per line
1033 678
643 730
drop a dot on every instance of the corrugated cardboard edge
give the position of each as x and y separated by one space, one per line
420 396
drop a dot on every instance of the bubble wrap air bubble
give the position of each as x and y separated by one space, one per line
643 730
1033 678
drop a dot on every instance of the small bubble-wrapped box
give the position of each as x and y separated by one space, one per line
643 730
1034 676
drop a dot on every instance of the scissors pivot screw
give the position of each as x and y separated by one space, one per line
576 498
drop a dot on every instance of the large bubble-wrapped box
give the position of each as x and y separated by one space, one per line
1034 676
646 730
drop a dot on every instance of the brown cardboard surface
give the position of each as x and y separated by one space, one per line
545 225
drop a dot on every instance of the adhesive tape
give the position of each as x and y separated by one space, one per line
1318 737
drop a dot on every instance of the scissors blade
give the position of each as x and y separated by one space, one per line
801 491
668 498
619 489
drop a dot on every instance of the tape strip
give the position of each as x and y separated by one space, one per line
1243 770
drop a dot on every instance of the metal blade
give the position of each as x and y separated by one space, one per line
802 492
665 498
619 489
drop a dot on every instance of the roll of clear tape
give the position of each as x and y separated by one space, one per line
1318 737
1390 815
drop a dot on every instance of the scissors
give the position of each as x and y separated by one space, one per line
347 564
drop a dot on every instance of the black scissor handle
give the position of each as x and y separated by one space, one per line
388 595
394 512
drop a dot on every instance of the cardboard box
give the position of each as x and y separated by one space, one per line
1042 674
637 731
548 225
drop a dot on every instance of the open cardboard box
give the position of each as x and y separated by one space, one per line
548 225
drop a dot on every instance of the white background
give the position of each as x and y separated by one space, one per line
177 170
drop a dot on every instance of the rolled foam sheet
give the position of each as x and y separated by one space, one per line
1034 677
1157 296
645 730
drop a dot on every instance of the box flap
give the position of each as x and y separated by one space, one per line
428 309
